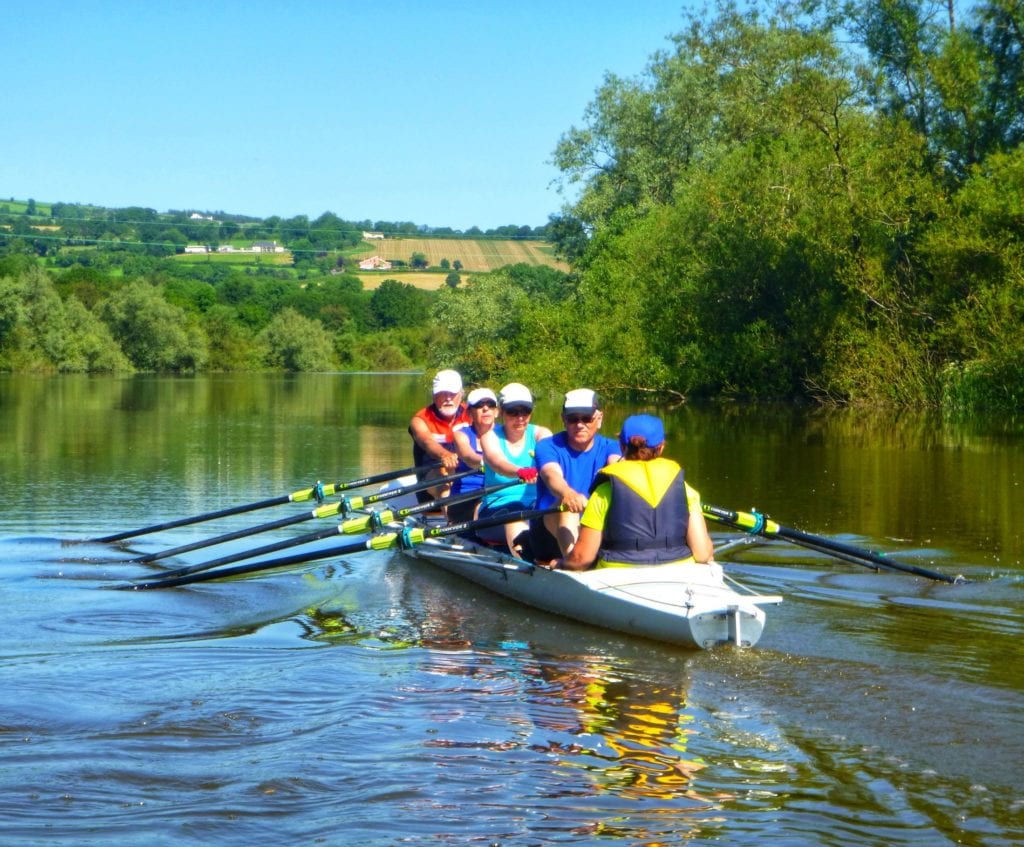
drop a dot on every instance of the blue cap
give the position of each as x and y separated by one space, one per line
647 427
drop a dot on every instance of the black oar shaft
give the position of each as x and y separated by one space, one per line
209 516
377 542
851 552
760 525
294 497
238 570
350 527
222 539
325 511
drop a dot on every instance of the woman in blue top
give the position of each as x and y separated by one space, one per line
482 405
508 450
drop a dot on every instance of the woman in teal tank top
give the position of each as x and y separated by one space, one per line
508 451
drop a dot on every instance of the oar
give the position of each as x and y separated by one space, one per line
355 526
318 491
343 507
758 524
406 538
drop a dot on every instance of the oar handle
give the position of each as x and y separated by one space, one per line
354 503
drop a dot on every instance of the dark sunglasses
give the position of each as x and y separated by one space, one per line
516 411
577 419
485 404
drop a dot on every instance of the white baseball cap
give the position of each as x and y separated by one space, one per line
447 380
580 400
515 394
478 395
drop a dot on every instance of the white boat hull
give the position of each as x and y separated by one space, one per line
687 604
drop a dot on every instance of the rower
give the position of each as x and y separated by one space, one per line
431 430
641 510
483 408
509 449
568 463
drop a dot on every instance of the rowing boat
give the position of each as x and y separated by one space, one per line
688 604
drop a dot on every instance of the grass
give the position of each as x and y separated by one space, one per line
243 259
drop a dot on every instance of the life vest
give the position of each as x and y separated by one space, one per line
648 515
440 429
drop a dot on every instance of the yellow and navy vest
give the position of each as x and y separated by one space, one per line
648 516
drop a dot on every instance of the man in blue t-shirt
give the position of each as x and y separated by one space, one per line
568 463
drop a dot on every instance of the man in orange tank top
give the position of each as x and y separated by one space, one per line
431 430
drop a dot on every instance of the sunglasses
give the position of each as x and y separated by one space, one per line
516 411
485 404
578 419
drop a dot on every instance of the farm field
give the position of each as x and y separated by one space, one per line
476 254
419 279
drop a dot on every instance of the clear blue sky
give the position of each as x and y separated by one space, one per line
439 112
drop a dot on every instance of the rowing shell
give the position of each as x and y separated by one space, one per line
687 604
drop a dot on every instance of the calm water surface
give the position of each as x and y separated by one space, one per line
375 701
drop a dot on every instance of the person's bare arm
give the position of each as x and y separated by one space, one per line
425 438
465 450
493 457
699 539
584 552
553 478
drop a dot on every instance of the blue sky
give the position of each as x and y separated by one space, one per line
439 112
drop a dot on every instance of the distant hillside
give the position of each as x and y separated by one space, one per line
193 236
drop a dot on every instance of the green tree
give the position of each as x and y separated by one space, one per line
418 261
40 332
296 343
155 335
398 304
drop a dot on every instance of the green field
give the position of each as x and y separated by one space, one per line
236 258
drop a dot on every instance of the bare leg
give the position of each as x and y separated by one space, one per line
512 532
442 488
565 527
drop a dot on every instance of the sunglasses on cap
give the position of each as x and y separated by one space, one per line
484 404
577 419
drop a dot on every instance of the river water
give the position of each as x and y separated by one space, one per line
376 701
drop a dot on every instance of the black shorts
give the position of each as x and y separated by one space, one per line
543 545
461 512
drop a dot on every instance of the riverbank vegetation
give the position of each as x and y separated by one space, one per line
825 201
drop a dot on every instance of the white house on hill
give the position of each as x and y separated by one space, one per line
375 263
267 247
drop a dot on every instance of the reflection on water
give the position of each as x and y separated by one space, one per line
376 701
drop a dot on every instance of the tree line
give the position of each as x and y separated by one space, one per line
155 233
819 200
203 318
